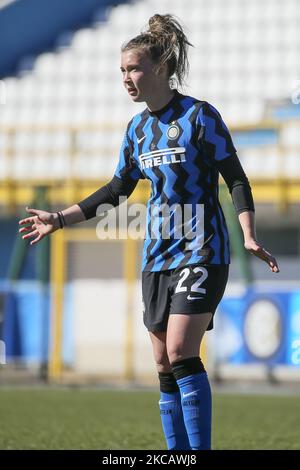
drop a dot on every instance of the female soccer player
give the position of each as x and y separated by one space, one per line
180 144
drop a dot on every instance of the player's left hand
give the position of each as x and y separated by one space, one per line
256 249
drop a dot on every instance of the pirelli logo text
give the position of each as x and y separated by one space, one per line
162 157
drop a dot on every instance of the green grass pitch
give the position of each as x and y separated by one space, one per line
103 419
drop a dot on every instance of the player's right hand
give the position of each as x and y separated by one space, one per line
41 223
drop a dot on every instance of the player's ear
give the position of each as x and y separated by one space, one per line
162 70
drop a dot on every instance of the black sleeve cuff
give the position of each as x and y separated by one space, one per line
242 198
237 183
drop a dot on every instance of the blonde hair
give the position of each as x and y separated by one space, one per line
166 43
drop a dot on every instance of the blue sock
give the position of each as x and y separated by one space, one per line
172 421
196 406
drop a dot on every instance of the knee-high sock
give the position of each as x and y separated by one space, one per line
195 400
171 413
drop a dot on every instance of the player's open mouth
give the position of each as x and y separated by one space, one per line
132 91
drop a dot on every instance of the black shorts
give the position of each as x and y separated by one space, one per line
193 289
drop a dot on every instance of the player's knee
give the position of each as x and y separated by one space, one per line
162 362
176 353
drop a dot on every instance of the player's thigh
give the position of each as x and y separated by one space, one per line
196 291
185 333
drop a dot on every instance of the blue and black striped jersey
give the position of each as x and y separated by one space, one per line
177 150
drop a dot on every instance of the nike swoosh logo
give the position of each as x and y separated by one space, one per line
163 402
141 139
184 395
194 298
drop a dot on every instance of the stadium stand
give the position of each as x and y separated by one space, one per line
238 63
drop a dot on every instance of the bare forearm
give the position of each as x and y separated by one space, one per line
73 215
247 222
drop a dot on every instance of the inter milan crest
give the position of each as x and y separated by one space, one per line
173 132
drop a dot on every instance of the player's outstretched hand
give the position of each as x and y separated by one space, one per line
256 249
41 223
